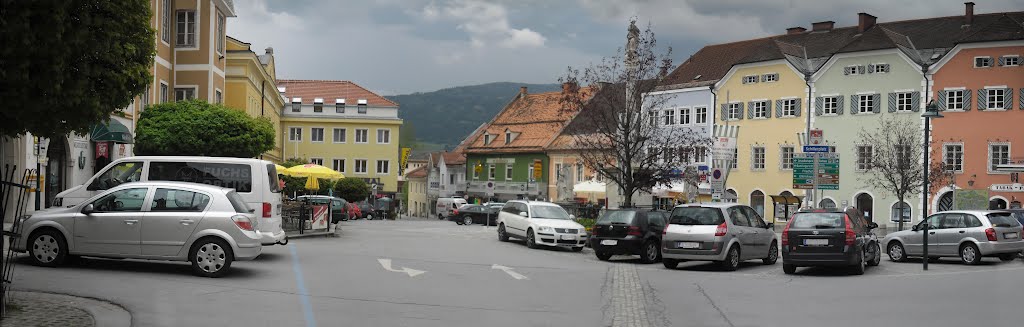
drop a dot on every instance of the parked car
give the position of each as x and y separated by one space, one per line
829 237
365 210
474 214
967 234
208 226
495 205
540 223
338 205
445 206
353 211
255 180
629 232
702 232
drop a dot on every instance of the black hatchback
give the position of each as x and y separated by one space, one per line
629 232
829 237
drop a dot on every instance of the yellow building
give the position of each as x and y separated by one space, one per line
252 87
766 100
344 126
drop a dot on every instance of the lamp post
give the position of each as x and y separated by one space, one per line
930 111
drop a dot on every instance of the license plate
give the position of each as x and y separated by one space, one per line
816 241
1009 235
609 242
568 237
688 245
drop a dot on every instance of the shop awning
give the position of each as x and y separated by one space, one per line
111 131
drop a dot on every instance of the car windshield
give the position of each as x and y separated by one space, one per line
1002 219
817 220
696 216
617 217
548 212
238 203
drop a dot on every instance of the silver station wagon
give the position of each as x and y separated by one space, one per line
969 235
206 225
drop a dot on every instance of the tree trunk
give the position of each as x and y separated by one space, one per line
900 214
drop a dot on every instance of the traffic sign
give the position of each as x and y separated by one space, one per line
823 167
816 148
717 180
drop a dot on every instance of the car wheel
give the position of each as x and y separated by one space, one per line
896 252
861 265
969 254
773 254
210 257
577 249
650 252
467 220
732 259
369 217
788 269
876 255
670 263
603 256
502 235
531 241
1007 257
48 248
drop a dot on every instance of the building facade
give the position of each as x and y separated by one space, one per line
446 176
251 86
416 181
342 126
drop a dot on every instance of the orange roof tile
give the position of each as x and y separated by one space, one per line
537 118
419 172
329 91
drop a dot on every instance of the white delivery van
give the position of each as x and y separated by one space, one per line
445 206
255 180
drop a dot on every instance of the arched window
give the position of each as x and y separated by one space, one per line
827 203
996 204
945 202
896 212
757 202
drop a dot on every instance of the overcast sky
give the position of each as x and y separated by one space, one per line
404 46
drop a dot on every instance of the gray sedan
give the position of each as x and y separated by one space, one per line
969 235
208 226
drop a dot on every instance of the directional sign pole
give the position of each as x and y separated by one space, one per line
814 189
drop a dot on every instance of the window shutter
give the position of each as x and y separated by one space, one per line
750 113
1021 95
819 108
967 100
839 105
768 109
853 104
846 70
764 78
725 112
1008 99
741 109
1002 61
892 102
860 69
876 98
778 108
871 68
798 109
915 102
942 100
982 99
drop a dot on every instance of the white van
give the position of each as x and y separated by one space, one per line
255 180
446 205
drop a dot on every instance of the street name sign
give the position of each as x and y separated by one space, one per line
816 148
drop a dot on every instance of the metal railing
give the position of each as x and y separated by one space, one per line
13 202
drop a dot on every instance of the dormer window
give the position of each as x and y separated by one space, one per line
510 136
318 105
296 104
488 138
339 106
361 106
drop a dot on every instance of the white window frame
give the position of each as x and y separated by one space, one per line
784 162
387 135
218 96
316 161
296 104
366 168
789 107
750 79
386 165
190 39
221 37
988 60
312 134
864 163
194 88
945 156
754 157
770 77
830 105
1009 154
1015 57
957 95
294 136
508 171
669 117
491 171
760 109
165 90
879 68
989 104
904 102
343 134
335 164
733 111
144 99
854 69
868 100
700 115
684 116
366 136
165 24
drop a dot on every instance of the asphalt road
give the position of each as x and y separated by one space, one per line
442 274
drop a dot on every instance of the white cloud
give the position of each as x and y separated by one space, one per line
486 23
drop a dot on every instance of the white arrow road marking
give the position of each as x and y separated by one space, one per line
509 271
386 263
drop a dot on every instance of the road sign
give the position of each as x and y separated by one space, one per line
823 167
489 188
537 170
717 180
816 148
817 137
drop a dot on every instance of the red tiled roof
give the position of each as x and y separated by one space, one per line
419 172
308 90
537 118
454 158
712 62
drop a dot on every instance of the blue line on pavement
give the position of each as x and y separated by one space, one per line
307 309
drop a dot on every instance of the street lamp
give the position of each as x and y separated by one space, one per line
930 111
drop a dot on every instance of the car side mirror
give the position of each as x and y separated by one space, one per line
522 213
88 209
872 225
914 228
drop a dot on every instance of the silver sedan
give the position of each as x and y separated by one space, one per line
206 225
967 234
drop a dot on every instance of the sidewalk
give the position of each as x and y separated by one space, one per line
58 310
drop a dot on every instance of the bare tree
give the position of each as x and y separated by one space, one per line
617 129
894 164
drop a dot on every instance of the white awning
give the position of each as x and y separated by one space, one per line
590 186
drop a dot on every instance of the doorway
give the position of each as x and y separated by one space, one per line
56 159
757 202
866 205
997 204
945 202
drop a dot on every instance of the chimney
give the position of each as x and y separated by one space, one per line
822 26
795 30
968 13
269 50
866 21
522 92
568 87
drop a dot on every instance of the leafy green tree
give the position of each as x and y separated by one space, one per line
294 185
69 64
326 185
199 128
292 162
352 189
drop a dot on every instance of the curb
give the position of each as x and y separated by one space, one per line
103 313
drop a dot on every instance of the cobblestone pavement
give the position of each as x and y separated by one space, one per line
29 309
628 302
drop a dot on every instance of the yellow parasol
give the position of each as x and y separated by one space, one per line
280 168
312 184
311 170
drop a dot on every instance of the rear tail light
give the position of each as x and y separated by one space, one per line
243 222
455 212
722 229
851 237
991 234
785 233
634 231
267 208
665 231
